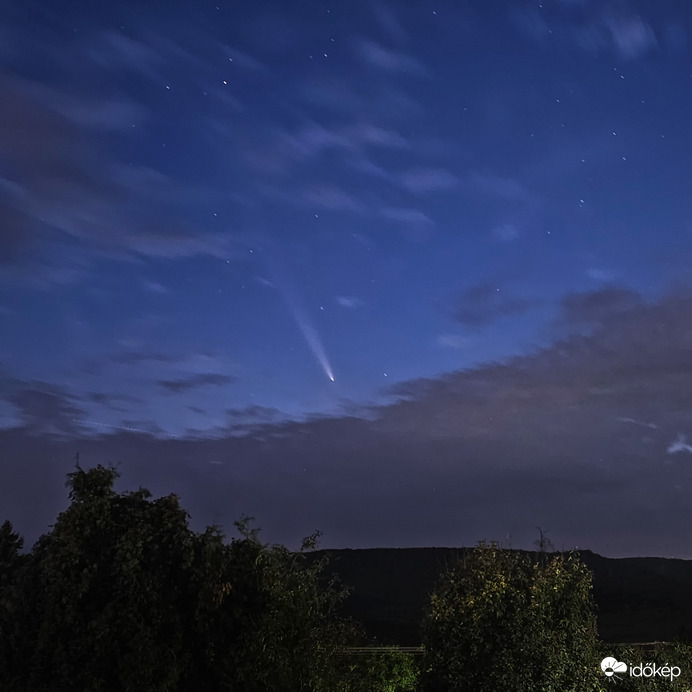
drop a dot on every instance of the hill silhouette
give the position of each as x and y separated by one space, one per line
639 599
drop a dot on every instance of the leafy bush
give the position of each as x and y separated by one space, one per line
500 621
378 671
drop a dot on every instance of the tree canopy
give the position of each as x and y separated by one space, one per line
122 595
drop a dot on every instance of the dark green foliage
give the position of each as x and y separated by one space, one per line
11 563
268 621
387 671
122 596
105 592
501 621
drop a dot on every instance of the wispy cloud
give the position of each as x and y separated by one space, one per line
183 244
112 50
598 274
44 408
607 26
184 384
407 215
111 399
376 55
506 232
254 413
60 182
155 287
312 140
679 445
625 419
377 136
137 357
500 186
631 35
423 180
65 170
114 112
389 20
242 59
332 198
453 341
349 302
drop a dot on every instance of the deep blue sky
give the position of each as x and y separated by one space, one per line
475 216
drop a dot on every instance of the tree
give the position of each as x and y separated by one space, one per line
122 595
271 620
105 594
268 620
543 543
11 563
499 620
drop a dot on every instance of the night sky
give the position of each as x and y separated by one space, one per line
410 273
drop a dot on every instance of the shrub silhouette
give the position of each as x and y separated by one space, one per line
122 595
500 620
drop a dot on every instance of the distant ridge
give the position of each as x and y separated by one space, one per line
641 599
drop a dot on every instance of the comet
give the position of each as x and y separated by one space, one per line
299 314
308 331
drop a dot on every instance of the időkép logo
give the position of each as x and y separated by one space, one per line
612 668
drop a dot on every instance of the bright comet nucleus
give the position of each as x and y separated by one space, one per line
300 316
